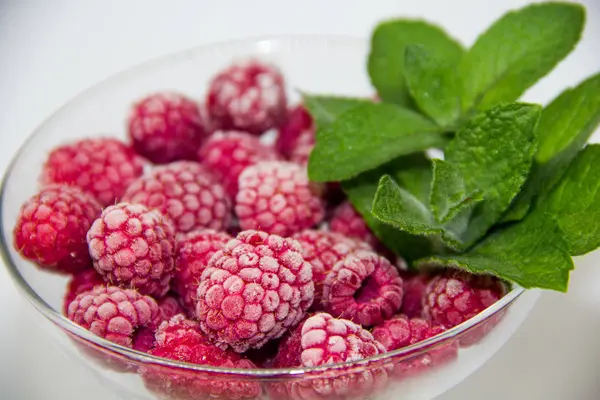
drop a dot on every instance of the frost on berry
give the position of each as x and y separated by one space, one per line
166 127
227 154
132 246
253 290
80 282
347 221
249 95
296 137
186 192
363 287
103 168
277 197
51 228
194 250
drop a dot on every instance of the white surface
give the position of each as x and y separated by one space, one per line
51 50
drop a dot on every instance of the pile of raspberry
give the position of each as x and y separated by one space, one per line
198 241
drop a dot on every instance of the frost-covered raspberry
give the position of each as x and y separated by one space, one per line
103 167
323 250
363 287
454 297
296 137
347 221
248 95
277 197
414 290
113 313
134 247
165 127
51 228
194 250
182 340
186 192
253 290
227 154
80 282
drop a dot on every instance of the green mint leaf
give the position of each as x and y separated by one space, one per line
367 136
448 192
416 178
518 50
432 84
386 58
325 109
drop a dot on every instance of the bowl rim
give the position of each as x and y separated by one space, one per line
132 355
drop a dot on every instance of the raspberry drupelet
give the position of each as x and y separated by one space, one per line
278 198
296 137
253 290
347 221
186 192
80 282
166 127
363 287
134 247
101 167
249 95
51 228
194 251
227 154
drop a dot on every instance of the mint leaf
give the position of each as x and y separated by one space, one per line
432 84
367 136
386 58
416 178
448 192
325 109
516 51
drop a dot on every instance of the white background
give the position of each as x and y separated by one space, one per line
51 50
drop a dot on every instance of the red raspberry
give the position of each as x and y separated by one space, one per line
181 340
454 297
104 167
323 250
186 192
296 137
81 282
169 307
253 290
249 95
113 313
133 247
51 228
414 289
165 127
347 221
227 154
194 250
276 197
363 287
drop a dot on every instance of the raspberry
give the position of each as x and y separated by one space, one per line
113 313
165 127
80 282
296 137
134 247
103 167
414 289
454 297
227 154
323 250
253 290
51 228
276 197
181 340
169 307
363 287
347 221
248 95
194 250
185 192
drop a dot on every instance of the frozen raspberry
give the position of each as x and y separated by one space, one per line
104 168
454 297
253 290
323 250
194 250
113 313
227 154
51 228
186 192
414 289
249 95
165 127
82 281
363 287
182 340
133 247
347 221
276 197
169 307
296 137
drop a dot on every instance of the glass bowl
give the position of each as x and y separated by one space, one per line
313 64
